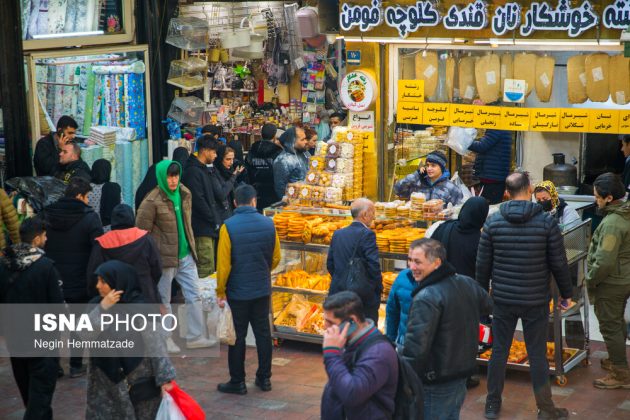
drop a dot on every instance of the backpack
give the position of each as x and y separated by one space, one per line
408 401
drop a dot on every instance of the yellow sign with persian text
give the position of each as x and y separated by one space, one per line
436 114
604 121
515 119
544 119
488 117
574 120
411 91
463 115
409 113
624 122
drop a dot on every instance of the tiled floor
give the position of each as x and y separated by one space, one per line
298 379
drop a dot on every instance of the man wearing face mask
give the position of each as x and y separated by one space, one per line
547 196
608 277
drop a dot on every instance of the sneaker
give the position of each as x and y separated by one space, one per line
171 347
76 372
200 343
555 414
492 409
617 378
606 365
238 388
263 384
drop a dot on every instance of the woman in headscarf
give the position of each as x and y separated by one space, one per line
105 194
124 387
150 181
547 196
225 179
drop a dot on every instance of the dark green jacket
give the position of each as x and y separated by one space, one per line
609 254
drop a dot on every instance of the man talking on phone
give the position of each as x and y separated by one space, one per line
362 369
46 157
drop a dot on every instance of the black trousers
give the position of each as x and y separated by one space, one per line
534 320
372 313
36 378
493 192
256 313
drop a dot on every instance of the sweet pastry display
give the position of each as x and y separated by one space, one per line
302 315
302 280
388 281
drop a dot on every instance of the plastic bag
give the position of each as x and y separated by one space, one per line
212 322
460 138
189 408
168 409
463 188
226 331
38 191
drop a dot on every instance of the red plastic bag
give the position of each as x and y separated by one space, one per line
485 334
187 405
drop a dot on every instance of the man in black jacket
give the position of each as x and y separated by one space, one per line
71 165
205 217
73 226
46 156
28 277
260 166
357 240
520 246
625 149
442 330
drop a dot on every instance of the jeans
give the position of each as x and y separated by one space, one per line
535 320
444 401
186 276
610 302
36 379
256 313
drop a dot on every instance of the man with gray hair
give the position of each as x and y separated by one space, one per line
357 242
71 165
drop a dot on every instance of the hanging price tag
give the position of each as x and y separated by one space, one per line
544 119
604 121
463 115
436 114
516 119
487 117
574 120
409 113
411 90
624 122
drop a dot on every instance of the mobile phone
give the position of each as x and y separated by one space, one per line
351 329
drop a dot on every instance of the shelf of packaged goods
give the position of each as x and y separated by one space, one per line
298 246
235 90
579 356
315 211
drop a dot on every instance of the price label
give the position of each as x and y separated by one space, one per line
516 119
604 121
411 91
624 121
544 119
409 113
436 114
487 117
574 120
463 115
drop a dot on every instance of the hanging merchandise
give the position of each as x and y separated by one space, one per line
620 79
545 66
187 74
525 69
427 70
597 77
256 48
293 39
188 33
576 79
466 79
450 77
507 69
187 110
487 77
308 22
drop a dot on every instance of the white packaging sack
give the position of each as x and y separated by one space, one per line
459 139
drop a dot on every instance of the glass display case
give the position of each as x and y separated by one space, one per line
66 23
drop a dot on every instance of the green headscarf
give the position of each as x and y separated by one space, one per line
161 174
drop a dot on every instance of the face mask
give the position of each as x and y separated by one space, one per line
546 205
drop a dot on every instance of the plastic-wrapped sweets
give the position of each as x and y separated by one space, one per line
333 195
341 180
334 150
312 178
331 164
347 150
345 165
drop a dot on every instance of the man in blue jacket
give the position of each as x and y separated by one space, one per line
398 305
492 164
362 369
357 240
249 249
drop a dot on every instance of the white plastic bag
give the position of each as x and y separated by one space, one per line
460 138
212 322
462 187
226 331
168 409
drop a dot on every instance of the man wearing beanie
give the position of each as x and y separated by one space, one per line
432 180
131 245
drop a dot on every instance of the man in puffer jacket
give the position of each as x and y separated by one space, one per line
432 180
292 164
492 164
608 277
520 246
398 304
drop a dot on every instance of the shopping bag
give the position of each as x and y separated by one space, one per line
212 321
168 409
460 138
189 408
226 331
459 183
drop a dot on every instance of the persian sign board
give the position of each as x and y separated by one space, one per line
357 91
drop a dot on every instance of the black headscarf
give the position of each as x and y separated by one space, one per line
122 217
101 171
218 162
473 215
119 276
150 181
181 155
